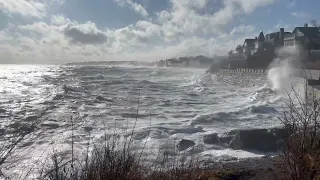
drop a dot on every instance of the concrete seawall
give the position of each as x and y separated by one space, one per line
244 71
306 82
242 77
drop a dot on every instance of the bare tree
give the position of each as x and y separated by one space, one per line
239 49
315 23
230 53
301 147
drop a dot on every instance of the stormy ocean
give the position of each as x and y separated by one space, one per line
89 102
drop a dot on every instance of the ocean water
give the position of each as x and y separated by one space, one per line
171 103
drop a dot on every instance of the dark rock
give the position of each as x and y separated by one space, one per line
100 98
185 144
31 118
226 138
211 139
258 139
236 143
49 125
264 140
15 125
88 129
2 110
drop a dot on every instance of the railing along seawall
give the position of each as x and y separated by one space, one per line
242 71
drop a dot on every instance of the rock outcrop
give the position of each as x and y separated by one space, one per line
185 144
263 140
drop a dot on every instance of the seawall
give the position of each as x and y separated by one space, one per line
305 82
242 77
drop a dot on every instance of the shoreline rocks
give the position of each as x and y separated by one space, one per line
185 144
262 140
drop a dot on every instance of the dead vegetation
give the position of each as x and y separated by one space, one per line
300 158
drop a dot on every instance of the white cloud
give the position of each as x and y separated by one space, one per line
24 8
86 33
291 4
249 6
242 29
135 6
300 14
59 20
186 28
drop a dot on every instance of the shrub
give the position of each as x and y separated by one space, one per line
300 157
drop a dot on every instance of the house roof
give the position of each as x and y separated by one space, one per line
273 36
250 42
309 31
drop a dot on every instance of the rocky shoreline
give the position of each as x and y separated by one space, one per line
254 140
264 168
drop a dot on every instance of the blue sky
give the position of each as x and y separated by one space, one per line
58 31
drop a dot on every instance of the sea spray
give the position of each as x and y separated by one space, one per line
281 74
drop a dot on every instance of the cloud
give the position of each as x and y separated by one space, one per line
242 29
24 8
85 33
292 3
300 14
135 6
249 6
186 27
59 20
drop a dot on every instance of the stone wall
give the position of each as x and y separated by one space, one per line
305 82
242 77
242 71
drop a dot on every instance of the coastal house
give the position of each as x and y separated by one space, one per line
260 41
308 41
249 46
307 38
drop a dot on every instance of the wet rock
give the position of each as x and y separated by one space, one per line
26 144
226 138
2 131
259 139
235 143
211 139
100 98
31 118
15 125
263 140
185 144
88 129
2 110
49 125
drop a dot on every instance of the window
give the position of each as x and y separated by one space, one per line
298 33
289 43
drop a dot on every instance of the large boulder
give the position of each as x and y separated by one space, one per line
263 140
258 139
211 138
227 137
235 143
185 144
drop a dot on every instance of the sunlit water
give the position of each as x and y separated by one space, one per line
174 103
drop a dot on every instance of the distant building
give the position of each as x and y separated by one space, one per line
307 38
260 41
249 46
